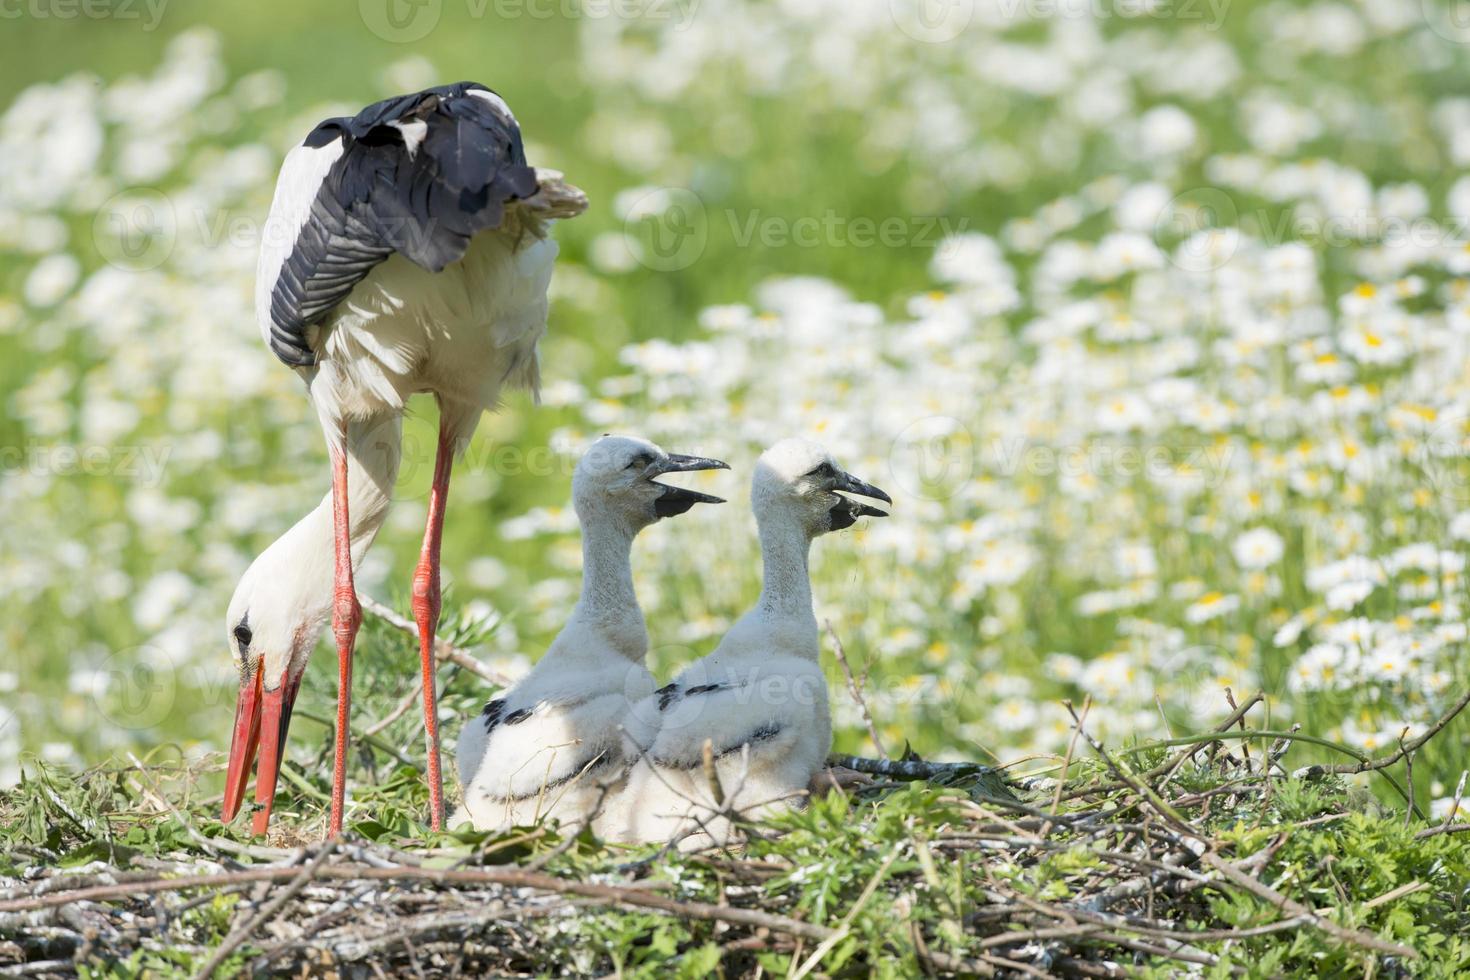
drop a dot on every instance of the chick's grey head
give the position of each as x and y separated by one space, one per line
799 479
617 478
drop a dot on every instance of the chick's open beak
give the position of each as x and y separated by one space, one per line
673 501
847 483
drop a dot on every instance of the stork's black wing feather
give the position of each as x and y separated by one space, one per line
383 196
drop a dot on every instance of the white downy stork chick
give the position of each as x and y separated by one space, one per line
406 251
549 745
760 699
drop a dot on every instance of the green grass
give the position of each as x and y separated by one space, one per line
896 882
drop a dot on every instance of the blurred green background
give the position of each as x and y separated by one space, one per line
333 58
1073 134
529 52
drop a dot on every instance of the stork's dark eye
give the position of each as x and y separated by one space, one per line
641 461
824 470
243 636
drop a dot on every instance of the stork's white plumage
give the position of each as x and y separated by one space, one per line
406 251
760 699
549 745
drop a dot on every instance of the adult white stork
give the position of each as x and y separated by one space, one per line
406 251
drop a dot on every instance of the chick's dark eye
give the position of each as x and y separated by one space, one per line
824 469
641 461
243 636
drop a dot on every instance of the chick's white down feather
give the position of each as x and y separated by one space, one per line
759 700
552 744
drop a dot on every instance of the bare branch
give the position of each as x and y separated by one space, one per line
443 649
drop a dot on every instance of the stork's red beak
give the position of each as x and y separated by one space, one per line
258 713
243 744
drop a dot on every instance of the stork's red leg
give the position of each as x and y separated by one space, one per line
346 618
426 614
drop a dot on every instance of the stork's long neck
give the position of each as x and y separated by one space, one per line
373 457
608 605
298 565
786 584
